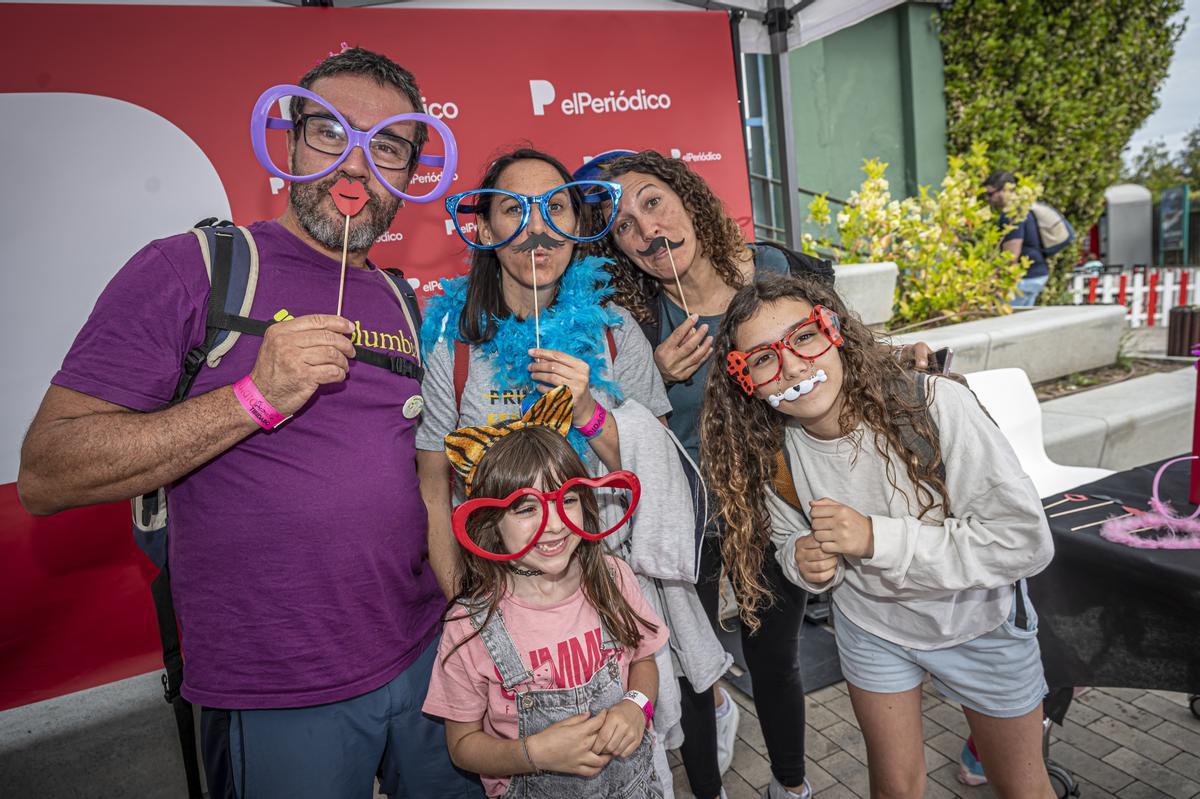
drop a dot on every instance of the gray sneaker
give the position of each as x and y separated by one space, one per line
777 791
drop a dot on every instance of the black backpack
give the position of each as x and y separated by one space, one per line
231 260
798 263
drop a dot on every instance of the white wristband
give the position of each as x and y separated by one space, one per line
642 701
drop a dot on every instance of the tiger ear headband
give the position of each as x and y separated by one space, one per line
466 446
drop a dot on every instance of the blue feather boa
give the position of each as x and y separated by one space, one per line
574 323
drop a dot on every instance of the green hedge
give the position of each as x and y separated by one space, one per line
1055 88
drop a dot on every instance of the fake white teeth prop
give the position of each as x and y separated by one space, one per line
798 390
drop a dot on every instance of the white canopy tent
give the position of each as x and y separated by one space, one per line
807 20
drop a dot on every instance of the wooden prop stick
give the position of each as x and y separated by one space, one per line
1080 510
1066 498
350 197
537 320
342 279
678 285
1102 521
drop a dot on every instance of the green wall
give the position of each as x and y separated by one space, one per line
871 91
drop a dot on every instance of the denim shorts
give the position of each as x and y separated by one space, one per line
998 674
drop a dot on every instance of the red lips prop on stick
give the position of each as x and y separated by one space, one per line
350 197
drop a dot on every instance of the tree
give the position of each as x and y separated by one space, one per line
945 241
1189 158
1156 169
1055 88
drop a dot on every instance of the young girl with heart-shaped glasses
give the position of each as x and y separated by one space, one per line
545 672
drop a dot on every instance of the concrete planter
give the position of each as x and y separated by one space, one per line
1124 424
1046 342
868 289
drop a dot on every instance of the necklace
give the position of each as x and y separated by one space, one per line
526 572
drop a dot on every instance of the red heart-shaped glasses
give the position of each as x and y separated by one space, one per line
536 515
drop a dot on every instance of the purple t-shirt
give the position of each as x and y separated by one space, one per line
298 557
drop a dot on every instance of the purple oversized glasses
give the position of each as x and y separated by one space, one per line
261 121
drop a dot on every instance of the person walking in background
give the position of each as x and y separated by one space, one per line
1024 240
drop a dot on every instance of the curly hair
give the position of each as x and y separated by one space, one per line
741 436
717 233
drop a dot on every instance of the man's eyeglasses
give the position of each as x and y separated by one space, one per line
326 135
809 339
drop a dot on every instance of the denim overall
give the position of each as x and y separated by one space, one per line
633 777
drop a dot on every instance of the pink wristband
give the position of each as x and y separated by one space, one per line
595 424
256 404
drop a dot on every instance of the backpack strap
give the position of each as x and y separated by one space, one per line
783 484
412 316
234 287
917 443
231 261
652 327
172 680
407 298
798 263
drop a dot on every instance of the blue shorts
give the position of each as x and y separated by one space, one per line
998 674
337 750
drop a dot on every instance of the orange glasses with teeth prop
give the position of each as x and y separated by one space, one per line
809 339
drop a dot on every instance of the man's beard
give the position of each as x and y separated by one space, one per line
367 225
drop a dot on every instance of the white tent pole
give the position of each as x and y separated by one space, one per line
778 21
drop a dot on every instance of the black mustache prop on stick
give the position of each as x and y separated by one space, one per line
660 243
530 245
535 240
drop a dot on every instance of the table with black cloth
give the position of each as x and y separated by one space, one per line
1112 615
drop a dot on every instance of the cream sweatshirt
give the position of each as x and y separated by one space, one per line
932 582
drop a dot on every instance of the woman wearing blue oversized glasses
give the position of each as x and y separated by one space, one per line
527 285
524 227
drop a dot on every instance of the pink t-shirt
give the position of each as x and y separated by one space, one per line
560 643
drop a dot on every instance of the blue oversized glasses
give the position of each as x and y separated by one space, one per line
565 210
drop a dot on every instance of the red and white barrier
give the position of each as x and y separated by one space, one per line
1148 295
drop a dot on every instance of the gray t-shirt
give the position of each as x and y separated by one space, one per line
485 401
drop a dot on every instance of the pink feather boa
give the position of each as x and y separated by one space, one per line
1181 532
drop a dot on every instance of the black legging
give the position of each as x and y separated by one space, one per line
772 655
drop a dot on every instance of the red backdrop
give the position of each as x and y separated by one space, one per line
74 603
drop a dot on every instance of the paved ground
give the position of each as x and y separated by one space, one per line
1130 744
1145 342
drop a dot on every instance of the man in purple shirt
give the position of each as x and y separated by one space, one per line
299 567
